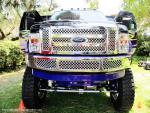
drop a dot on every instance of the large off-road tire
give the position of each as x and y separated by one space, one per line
123 99
32 97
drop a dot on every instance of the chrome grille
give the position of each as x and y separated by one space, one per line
62 39
112 39
100 30
109 64
78 48
96 40
68 39
46 64
77 65
45 39
100 40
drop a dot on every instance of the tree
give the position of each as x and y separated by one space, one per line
93 4
12 10
141 10
9 15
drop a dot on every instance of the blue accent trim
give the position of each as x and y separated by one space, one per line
55 76
130 46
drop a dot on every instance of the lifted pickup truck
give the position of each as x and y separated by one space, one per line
78 51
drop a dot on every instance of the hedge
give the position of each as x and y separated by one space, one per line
11 56
143 48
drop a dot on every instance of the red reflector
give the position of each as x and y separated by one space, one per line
46 58
34 40
47 52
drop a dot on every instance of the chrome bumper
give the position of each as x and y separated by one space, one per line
78 63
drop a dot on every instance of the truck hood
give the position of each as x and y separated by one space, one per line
74 24
80 23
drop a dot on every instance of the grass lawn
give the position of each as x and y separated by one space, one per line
76 103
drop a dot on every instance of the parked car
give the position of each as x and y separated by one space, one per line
147 64
142 63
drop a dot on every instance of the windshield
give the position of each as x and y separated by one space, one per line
78 15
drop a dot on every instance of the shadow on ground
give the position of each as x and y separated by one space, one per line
78 103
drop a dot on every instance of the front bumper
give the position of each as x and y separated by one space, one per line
77 77
79 63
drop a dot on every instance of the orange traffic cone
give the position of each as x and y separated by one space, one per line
139 105
21 106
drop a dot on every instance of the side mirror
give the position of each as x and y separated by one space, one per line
127 18
130 24
28 19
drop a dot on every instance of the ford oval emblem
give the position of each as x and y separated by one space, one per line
78 39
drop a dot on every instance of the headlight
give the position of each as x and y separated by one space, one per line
35 43
123 43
